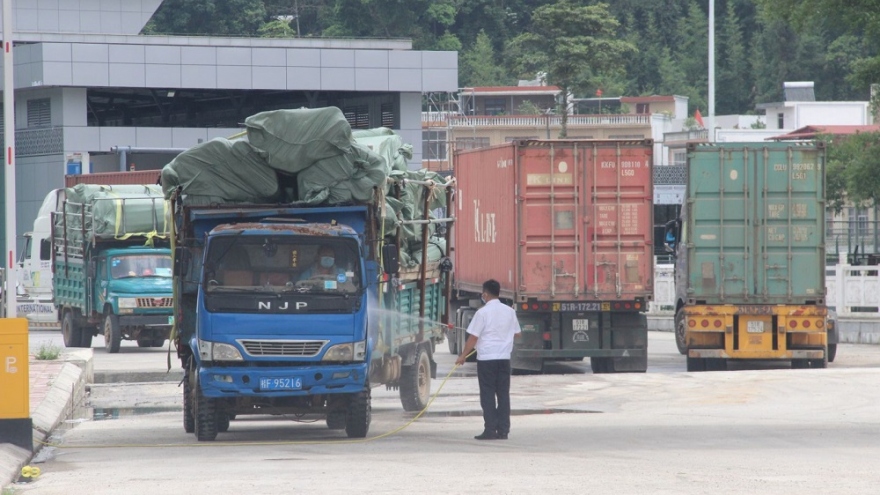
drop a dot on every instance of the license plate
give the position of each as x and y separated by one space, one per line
755 327
281 383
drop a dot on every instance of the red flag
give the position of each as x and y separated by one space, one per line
699 118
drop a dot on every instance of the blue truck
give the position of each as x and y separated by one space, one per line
111 263
284 310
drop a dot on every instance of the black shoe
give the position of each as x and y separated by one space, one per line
487 435
501 436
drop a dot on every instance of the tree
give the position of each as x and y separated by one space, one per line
276 28
732 96
479 66
565 37
853 169
208 17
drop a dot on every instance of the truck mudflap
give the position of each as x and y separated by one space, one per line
146 321
788 355
224 382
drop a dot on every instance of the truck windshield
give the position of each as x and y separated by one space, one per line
140 265
296 264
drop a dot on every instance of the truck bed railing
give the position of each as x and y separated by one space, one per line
78 225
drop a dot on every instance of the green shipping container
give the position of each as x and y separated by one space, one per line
754 223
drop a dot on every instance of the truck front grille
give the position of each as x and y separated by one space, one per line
302 348
154 302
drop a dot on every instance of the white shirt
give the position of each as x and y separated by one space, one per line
494 325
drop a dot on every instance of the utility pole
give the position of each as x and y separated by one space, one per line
9 169
711 70
296 13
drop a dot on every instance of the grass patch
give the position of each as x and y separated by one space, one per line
47 352
9 491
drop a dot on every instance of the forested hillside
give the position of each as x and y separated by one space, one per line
759 43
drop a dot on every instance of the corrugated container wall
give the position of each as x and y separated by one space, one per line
148 177
564 220
756 220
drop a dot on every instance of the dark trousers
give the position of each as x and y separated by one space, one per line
494 378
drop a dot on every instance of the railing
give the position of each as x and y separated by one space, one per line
457 120
852 291
686 135
670 175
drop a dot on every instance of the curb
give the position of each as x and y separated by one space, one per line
68 390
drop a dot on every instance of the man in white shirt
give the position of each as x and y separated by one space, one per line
492 332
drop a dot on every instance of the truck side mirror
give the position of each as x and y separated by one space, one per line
390 259
181 262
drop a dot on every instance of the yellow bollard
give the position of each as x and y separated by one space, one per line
16 426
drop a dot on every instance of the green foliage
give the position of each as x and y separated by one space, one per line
47 352
276 29
214 17
853 170
479 66
564 38
758 124
528 108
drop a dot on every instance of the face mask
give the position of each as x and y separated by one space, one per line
327 261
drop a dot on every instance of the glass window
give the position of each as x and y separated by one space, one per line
45 250
300 264
434 145
495 106
140 265
39 113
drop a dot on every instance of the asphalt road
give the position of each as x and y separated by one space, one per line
667 431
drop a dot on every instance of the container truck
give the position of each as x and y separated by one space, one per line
750 255
565 226
112 265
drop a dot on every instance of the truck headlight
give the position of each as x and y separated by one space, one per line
226 352
351 351
214 351
127 302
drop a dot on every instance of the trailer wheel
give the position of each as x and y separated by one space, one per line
87 334
415 382
70 331
159 342
679 333
832 352
112 333
358 415
461 333
205 416
189 419
145 342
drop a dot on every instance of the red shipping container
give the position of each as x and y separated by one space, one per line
148 177
556 220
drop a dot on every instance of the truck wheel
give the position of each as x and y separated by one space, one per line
70 331
112 333
189 419
461 333
679 333
696 364
336 420
145 342
222 422
832 352
158 342
415 383
87 334
357 417
205 416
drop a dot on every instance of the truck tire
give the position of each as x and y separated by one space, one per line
87 334
205 416
466 317
112 333
832 352
70 331
158 342
415 382
336 420
358 415
189 419
222 422
679 333
145 342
